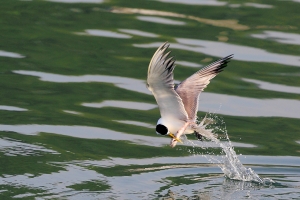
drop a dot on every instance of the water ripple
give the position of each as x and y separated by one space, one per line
122 82
251 107
86 132
77 1
160 20
221 49
89 132
190 160
281 37
139 33
273 87
258 5
196 2
10 54
188 64
12 108
230 104
215 3
72 112
121 104
228 23
56 183
136 123
12 147
152 181
103 33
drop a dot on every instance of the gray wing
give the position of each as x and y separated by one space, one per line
190 89
161 83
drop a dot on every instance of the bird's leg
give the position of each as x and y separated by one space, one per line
179 133
198 136
194 126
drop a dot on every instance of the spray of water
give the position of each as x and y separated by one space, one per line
212 125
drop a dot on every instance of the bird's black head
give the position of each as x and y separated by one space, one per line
161 129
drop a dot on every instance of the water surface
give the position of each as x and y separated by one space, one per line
77 121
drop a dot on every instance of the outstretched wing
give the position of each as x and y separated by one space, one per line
190 89
160 82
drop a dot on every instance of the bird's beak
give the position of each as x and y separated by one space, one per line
175 138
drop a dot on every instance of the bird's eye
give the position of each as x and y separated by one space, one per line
161 129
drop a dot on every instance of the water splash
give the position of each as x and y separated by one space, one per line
229 162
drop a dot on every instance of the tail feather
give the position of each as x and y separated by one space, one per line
207 133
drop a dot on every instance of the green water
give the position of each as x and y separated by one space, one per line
53 64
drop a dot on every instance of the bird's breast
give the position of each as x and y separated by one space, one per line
175 124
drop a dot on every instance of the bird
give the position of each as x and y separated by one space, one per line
178 105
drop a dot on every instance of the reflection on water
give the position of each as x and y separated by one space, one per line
219 103
193 169
139 33
143 124
202 144
13 148
228 23
215 3
148 185
273 87
12 108
160 20
72 112
142 184
281 37
221 49
103 33
288 74
77 1
258 5
151 184
209 188
86 132
122 82
235 5
196 2
209 144
53 185
10 54
188 64
243 106
121 104
192 160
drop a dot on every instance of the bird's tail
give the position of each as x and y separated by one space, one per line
207 133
